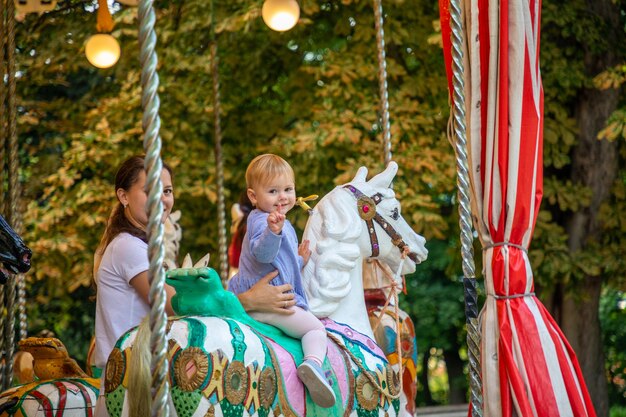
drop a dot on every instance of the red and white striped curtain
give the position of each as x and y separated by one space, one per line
527 366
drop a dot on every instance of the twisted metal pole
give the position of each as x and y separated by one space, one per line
382 80
3 89
3 145
14 192
15 187
219 163
465 214
153 164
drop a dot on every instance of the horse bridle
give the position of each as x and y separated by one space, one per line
366 207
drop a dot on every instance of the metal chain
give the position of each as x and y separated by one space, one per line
219 163
153 164
465 215
382 80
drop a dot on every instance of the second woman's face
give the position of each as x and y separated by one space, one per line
136 198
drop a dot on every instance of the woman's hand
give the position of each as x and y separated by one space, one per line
266 298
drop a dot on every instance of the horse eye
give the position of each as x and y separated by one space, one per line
395 214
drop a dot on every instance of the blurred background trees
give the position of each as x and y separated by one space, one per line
311 95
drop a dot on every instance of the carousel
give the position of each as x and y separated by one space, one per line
212 359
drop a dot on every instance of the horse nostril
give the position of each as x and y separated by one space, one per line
26 257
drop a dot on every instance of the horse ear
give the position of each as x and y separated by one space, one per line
361 175
187 263
204 262
384 178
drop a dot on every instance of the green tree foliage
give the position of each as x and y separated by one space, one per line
579 242
311 95
612 316
570 36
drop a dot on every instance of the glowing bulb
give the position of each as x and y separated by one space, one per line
102 50
280 15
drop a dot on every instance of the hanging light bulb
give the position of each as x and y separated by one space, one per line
280 15
102 50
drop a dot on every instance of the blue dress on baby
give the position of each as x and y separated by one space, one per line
263 251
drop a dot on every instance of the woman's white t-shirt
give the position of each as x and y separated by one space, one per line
118 306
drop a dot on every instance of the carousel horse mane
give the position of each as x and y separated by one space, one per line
14 254
336 253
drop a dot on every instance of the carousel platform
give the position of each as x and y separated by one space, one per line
443 411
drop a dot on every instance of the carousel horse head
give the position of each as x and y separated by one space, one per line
14 254
356 221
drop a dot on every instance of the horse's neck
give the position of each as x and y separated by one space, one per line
352 310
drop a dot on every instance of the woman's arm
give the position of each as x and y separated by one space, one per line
140 283
266 298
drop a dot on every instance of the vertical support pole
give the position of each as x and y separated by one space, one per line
382 80
465 215
219 162
153 164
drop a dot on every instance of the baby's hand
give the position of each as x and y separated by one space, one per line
275 222
304 251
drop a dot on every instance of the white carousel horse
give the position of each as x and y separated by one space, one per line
335 278
359 220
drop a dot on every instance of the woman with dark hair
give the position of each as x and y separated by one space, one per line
121 260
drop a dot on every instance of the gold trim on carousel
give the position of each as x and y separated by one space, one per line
366 394
393 381
367 207
191 367
236 382
267 387
115 368
210 412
